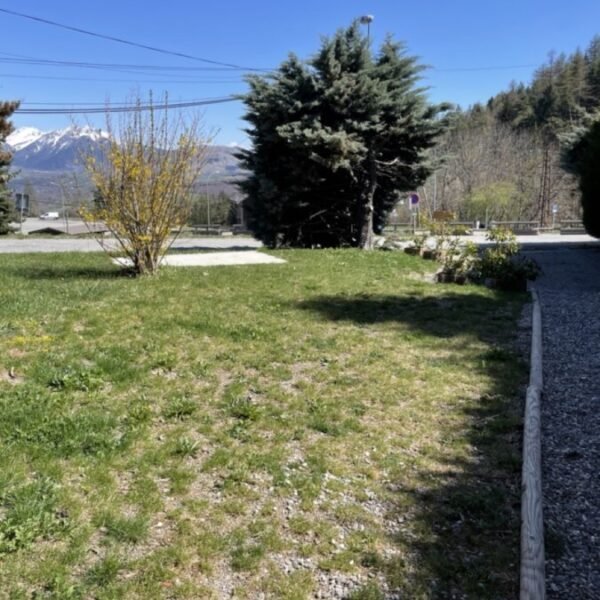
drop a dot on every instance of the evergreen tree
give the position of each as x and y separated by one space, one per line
583 159
6 204
334 141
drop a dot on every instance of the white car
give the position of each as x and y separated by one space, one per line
50 215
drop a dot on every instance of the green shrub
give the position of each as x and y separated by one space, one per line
502 263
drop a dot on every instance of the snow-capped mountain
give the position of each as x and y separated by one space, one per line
23 137
47 161
63 149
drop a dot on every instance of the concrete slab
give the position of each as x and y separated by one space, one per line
212 259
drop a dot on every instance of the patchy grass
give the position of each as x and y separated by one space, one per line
335 423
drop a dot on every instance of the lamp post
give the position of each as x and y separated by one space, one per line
367 20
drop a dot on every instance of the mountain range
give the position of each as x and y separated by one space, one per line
48 165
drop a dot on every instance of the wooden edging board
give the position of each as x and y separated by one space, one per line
533 579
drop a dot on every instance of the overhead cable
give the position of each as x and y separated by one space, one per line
124 41
124 109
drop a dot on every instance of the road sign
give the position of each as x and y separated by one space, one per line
413 200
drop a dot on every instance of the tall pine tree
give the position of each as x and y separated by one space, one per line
335 140
6 208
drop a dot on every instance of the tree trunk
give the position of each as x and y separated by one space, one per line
366 227
543 208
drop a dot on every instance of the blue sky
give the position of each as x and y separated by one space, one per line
463 34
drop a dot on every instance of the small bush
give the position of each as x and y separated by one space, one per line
501 263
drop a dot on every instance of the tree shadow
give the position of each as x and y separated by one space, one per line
67 272
441 316
465 511
209 249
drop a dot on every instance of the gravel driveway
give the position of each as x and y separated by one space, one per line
570 297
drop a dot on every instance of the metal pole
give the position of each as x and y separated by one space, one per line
367 20
207 206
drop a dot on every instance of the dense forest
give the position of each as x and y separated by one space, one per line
504 160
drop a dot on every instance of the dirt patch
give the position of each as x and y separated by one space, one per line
10 376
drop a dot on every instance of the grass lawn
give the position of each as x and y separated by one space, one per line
336 425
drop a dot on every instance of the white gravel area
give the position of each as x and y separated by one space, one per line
569 292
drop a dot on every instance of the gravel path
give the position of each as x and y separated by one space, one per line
570 297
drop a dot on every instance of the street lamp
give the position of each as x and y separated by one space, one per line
367 20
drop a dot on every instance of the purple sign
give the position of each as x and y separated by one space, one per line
414 199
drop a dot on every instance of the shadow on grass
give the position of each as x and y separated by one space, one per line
440 316
209 249
456 527
67 272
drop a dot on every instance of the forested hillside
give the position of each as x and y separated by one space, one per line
503 159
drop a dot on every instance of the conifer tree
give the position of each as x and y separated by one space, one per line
335 140
583 158
6 207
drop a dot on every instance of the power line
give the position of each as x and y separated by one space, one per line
210 61
127 42
488 68
123 103
124 109
30 60
59 78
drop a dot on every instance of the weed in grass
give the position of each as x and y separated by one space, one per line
246 555
59 587
105 571
144 492
234 507
30 512
300 525
240 431
42 421
72 378
180 408
372 560
123 529
179 478
139 414
166 360
185 446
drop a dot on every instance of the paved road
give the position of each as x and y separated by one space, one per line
570 297
67 244
23 245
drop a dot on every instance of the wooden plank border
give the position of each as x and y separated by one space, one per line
533 578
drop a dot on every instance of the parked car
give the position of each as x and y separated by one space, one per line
49 215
